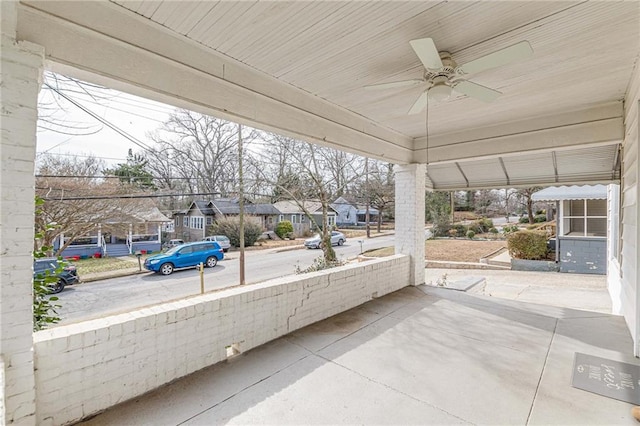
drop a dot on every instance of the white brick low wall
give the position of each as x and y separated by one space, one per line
86 367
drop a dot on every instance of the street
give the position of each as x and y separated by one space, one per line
118 295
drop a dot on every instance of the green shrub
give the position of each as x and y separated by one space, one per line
510 228
493 230
485 224
231 228
539 218
470 234
284 229
530 245
524 219
461 230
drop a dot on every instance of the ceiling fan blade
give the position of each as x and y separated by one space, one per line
427 52
419 104
477 91
393 84
498 58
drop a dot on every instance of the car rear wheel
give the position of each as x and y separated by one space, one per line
166 269
57 287
340 242
211 261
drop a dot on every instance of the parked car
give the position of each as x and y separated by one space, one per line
185 256
315 242
173 243
66 275
220 239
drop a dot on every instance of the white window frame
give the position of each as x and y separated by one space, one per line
185 221
294 218
585 217
197 222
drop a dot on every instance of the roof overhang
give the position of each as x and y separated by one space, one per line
558 107
561 193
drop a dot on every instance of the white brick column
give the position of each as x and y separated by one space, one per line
21 67
410 189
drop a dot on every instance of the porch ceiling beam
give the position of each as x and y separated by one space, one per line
103 43
602 125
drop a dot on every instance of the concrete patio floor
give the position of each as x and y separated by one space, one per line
422 355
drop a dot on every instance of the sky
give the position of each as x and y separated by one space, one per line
131 114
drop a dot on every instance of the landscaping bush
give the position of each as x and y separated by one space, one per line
461 230
231 228
524 219
493 230
510 228
539 218
470 234
529 245
485 224
284 229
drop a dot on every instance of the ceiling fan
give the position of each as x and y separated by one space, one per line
442 74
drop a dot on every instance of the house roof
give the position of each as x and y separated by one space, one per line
151 215
560 193
204 206
232 206
292 207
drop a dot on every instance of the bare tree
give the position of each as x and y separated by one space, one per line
319 174
202 151
378 190
69 189
524 196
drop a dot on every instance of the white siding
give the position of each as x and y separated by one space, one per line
630 212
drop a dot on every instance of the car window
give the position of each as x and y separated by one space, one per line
222 238
186 250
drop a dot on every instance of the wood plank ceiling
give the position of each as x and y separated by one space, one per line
584 55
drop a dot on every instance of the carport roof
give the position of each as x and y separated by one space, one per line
560 193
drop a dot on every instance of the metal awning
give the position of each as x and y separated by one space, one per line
560 193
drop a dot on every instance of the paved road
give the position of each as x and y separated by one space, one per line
96 299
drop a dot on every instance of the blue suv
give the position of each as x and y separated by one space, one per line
185 256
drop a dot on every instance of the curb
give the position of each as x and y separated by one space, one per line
115 274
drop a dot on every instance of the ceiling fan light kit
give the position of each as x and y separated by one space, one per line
443 75
439 92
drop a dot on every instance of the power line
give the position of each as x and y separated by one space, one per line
129 196
100 119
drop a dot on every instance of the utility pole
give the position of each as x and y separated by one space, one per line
241 203
366 186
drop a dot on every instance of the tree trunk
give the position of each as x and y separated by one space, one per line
329 253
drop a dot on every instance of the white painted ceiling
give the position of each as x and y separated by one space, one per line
584 56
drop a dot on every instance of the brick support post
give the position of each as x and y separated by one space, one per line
21 67
410 189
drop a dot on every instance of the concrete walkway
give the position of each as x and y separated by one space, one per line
422 355
575 291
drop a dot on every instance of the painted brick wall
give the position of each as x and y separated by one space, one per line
583 255
21 68
410 217
86 367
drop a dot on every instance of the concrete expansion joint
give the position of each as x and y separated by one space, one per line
396 390
233 395
544 366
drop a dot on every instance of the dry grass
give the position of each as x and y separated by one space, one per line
451 250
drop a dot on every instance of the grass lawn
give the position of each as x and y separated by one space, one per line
89 266
450 250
